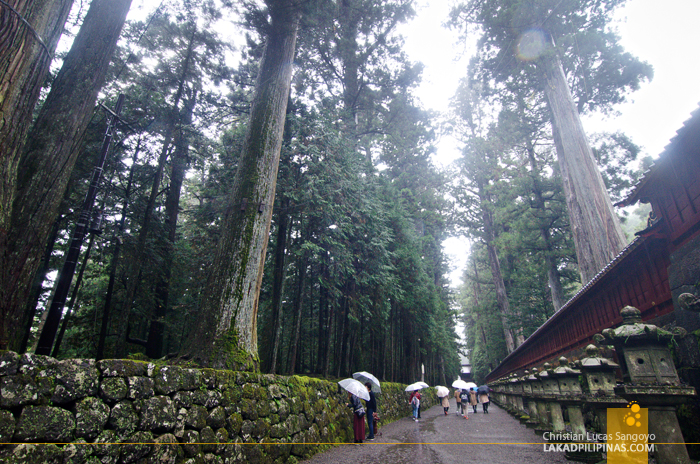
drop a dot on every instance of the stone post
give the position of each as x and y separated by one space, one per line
571 396
551 386
520 408
535 389
599 386
544 400
650 379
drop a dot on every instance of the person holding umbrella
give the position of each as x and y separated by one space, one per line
464 401
472 398
356 391
445 404
358 420
443 393
484 399
459 401
371 408
372 384
415 404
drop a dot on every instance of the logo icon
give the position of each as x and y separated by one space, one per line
633 418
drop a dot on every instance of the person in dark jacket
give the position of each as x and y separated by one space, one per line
358 419
371 409
464 397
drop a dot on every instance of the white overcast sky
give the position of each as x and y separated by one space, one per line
665 34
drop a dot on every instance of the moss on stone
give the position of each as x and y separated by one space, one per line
227 353
45 424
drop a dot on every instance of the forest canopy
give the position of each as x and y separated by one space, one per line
269 197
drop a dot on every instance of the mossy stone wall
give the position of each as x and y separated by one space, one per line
122 411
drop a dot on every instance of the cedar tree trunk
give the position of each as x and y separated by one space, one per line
596 229
26 50
226 331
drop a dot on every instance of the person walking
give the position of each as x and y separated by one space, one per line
484 400
464 401
420 398
358 419
371 409
410 403
445 404
472 398
459 401
415 404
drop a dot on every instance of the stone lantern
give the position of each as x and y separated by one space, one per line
571 396
600 381
515 393
553 397
549 388
642 350
535 391
513 390
517 400
550 385
650 379
567 378
598 373
526 396
527 388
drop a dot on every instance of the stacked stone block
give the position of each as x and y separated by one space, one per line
123 411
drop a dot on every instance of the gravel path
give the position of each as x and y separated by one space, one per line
484 438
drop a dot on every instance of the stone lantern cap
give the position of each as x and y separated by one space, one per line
533 374
544 373
593 360
564 368
634 331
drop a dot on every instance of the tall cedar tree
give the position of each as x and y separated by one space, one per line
54 142
226 331
29 33
522 34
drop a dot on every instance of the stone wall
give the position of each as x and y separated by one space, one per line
122 411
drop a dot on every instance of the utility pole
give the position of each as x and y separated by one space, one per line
55 311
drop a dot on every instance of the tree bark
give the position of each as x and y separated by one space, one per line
501 296
278 283
554 278
156 331
73 299
37 284
26 51
301 269
117 241
54 141
226 334
136 267
596 229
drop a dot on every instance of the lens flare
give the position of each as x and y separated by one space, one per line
531 44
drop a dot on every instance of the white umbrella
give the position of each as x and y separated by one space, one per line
355 387
414 387
425 385
442 391
471 385
461 384
365 377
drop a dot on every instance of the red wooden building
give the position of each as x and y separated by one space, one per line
662 263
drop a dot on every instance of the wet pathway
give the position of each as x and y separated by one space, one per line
484 438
